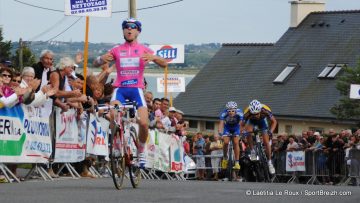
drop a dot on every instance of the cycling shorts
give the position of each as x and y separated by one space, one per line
261 124
231 131
129 93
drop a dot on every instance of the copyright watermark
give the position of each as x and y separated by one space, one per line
297 193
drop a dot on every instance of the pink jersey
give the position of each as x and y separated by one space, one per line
129 65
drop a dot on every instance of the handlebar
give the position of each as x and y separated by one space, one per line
121 107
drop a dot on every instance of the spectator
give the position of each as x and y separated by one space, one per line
303 141
148 98
208 159
318 144
334 149
40 97
292 146
155 106
200 159
16 80
216 153
44 67
57 80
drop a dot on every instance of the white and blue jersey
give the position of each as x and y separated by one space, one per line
232 123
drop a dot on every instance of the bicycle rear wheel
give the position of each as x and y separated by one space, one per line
134 170
230 162
117 159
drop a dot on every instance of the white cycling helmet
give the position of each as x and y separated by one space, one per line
255 106
231 105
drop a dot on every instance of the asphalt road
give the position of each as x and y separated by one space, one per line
102 190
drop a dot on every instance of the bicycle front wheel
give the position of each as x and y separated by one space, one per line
134 170
117 160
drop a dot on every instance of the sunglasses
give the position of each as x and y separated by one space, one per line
6 75
18 81
130 25
231 111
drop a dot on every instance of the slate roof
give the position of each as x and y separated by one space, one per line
242 72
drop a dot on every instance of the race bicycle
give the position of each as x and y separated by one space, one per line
230 172
259 163
123 144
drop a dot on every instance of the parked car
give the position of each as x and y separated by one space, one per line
190 168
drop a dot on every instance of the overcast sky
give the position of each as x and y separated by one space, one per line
185 22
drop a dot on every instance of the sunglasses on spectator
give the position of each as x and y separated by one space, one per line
18 81
130 25
6 75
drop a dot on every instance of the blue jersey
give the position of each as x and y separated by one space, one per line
232 122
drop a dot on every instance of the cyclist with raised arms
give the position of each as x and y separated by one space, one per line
229 124
130 60
257 115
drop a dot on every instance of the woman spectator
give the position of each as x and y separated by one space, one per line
10 97
40 97
57 80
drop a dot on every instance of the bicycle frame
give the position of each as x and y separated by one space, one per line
123 144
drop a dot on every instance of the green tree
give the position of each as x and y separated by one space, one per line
347 108
28 58
5 47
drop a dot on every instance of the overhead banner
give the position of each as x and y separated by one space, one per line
70 144
172 53
24 136
174 84
97 8
295 161
354 91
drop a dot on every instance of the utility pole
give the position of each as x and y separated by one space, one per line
132 8
21 54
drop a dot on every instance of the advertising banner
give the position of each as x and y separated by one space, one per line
97 136
295 161
24 136
70 144
97 8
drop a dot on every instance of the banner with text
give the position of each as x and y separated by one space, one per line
70 144
24 136
172 53
97 136
295 161
98 8
174 84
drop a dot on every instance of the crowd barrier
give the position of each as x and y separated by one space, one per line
34 135
309 166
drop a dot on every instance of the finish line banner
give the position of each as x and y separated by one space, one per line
97 8
24 137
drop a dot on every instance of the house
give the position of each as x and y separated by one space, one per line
296 76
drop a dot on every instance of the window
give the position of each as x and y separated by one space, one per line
193 124
288 129
326 71
285 74
331 71
317 129
209 125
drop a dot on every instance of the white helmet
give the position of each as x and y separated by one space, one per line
255 106
231 105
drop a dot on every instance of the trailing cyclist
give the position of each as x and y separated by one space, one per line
229 125
130 60
256 115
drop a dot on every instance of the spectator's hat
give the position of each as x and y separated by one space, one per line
316 133
180 112
172 109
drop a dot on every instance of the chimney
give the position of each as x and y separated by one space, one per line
300 9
